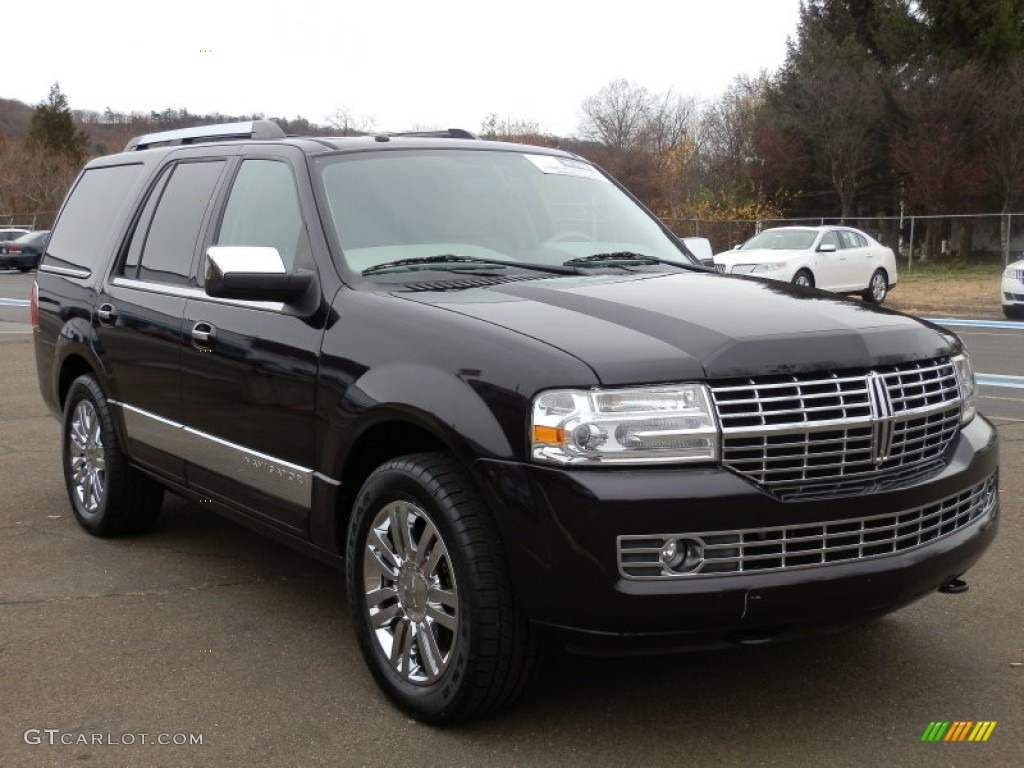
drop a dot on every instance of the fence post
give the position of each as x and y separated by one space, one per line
910 251
1007 234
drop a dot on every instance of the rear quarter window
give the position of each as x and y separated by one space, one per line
82 233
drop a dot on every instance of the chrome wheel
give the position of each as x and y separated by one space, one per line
88 464
411 598
878 287
802 279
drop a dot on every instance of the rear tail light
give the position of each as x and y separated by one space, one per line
12 249
33 305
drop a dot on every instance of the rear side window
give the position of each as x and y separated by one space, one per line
852 239
171 240
85 224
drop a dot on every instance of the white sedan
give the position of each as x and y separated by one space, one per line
1013 290
839 259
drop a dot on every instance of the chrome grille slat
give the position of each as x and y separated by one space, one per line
805 545
792 433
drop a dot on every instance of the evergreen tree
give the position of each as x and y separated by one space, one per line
989 33
53 128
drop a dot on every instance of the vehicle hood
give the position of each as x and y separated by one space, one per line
650 328
759 256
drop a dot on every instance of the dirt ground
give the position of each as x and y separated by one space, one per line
976 297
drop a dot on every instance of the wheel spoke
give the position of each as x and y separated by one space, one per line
379 546
86 491
408 642
86 419
445 597
433 558
97 488
79 466
375 569
398 636
384 616
430 654
426 542
400 532
445 620
377 596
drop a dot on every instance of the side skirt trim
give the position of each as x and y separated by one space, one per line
268 474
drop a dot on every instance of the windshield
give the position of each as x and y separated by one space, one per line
782 240
511 206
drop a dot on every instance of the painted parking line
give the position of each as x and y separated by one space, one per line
14 302
960 322
998 380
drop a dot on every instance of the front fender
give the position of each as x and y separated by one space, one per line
447 405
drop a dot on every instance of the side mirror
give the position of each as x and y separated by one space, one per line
826 248
252 273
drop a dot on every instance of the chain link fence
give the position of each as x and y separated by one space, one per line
983 238
30 221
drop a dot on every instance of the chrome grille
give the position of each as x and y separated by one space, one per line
721 268
1016 274
717 553
793 433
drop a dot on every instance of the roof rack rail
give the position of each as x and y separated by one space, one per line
249 129
447 133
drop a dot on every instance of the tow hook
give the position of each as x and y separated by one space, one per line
954 586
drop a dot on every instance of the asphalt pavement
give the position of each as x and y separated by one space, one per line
203 630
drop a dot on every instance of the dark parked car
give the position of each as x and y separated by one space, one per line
487 382
25 252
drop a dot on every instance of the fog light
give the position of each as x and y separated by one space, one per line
669 551
681 555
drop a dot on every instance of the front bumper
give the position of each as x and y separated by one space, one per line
561 530
1012 292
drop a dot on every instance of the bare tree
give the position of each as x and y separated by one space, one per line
840 110
1002 134
618 115
348 123
672 121
33 180
515 130
728 134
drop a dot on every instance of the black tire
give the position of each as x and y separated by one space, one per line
878 287
492 650
126 501
1013 313
803 277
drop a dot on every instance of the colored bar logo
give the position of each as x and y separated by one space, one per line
958 730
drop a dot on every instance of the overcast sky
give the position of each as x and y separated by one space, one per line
403 63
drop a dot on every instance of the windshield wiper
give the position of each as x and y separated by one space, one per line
449 258
623 259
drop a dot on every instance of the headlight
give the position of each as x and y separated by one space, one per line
671 424
774 266
968 387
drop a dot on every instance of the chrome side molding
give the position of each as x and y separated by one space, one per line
264 473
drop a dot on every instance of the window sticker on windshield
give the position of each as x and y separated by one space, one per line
565 166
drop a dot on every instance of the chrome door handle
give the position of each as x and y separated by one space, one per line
107 314
204 335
